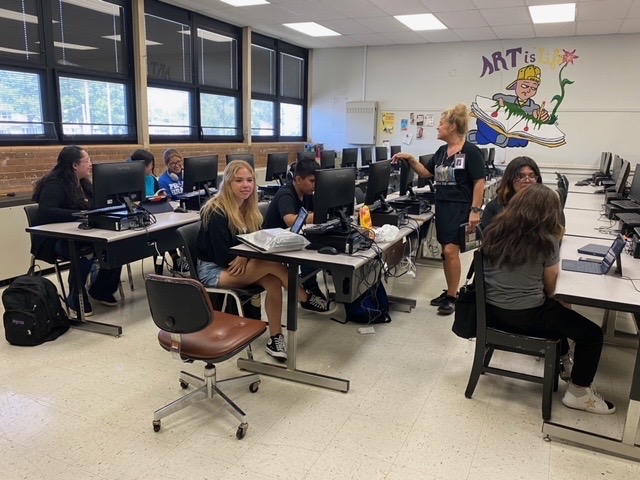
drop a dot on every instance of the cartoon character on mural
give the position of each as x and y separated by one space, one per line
507 120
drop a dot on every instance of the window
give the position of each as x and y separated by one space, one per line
168 49
218 59
65 71
169 112
279 100
218 115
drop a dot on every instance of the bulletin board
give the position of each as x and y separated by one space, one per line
414 130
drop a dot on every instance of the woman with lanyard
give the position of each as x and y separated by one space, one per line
458 170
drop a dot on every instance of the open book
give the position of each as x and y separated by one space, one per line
512 125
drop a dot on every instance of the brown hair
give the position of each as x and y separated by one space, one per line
505 189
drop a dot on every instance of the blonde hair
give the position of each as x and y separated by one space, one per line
242 219
458 116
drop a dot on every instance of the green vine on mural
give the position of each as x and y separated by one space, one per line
567 58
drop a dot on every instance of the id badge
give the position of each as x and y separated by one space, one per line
458 161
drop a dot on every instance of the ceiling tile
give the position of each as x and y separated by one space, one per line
481 4
602 9
383 24
514 31
599 27
507 16
372 39
555 29
439 36
400 7
314 9
448 6
343 41
347 26
405 37
630 25
634 11
471 18
476 33
273 14
355 8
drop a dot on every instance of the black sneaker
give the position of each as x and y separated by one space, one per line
275 347
318 305
315 290
448 305
436 302
106 299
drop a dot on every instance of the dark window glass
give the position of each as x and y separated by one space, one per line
88 34
218 59
20 103
291 76
19 34
263 70
219 115
168 49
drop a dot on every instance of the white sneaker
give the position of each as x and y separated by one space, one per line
591 402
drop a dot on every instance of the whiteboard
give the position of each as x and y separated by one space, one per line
361 122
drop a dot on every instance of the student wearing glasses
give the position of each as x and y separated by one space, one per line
521 172
521 250
172 179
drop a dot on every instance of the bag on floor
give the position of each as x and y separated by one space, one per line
465 320
371 307
33 312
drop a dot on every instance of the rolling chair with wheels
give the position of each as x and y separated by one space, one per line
489 339
193 331
241 296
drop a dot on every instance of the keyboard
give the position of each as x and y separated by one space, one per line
582 267
196 193
323 227
626 204
631 219
96 211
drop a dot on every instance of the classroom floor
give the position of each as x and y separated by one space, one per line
81 407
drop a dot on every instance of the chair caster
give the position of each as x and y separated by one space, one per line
241 432
156 426
184 384
253 388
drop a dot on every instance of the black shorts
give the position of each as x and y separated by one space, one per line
449 217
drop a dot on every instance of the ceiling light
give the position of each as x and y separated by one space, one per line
245 3
313 29
562 12
421 21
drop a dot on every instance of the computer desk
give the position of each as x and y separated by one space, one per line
609 292
587 223
585 201
114 249
587 189
351 276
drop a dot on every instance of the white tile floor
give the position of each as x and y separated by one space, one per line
81 408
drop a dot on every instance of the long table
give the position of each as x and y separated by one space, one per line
589 224
585 201
114 249
352 274
609 292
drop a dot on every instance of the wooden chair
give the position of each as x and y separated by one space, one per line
489 339
192 331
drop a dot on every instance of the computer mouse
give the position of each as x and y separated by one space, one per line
326 249
180 210
85 226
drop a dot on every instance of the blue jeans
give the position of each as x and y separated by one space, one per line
209 273
105 283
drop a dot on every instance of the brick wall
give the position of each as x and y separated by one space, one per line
21 167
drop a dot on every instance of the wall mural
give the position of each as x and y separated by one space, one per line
514 119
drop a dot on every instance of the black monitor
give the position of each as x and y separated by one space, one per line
328 159
634 191
605 163
616 167
491 160
381 154
395 149
334 194
621 181
277 164
247 157
406 178
118 184
349 157
424 181
365 156
307 155
200 172
378 183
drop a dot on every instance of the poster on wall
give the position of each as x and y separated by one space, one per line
388 120
404 124
420 120
428 120
513 118
412 118
408 137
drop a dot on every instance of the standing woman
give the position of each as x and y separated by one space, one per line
521 172
234 211
60 193
458 168
521 267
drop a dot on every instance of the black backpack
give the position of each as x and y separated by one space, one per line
371 307
33 312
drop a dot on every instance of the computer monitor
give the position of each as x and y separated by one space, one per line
307 155
406 178
334 194
395 149
200 172
378 183
621 181
247 157
349 157
424 181
605 163
616 167
491 159
277 164
485 154
328 159
365 156
381 154
118 183
634 191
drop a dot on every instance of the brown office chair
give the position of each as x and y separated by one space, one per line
241 296
192 331
489 339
